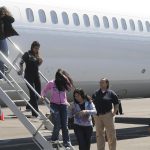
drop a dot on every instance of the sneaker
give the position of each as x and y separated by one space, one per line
67 148
2 80
39 117
54 141
33 117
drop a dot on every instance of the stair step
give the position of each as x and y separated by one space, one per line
6 91
19 102
7 97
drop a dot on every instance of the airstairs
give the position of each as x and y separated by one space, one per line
37 135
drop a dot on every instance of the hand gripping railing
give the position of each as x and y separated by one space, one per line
41 74
7 61
21 52
16 68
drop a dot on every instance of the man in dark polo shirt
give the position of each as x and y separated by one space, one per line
106 103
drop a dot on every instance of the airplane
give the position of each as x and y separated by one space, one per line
89 45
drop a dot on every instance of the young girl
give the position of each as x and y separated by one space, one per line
58 101
82 109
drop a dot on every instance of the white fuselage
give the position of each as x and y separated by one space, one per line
88 53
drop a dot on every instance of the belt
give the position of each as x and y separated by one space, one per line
103 113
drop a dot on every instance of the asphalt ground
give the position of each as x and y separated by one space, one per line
14 136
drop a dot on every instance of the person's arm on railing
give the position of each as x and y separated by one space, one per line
21 68
45 89
23 59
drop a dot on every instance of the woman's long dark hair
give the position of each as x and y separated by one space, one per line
63 80
83 95
35 44
5 10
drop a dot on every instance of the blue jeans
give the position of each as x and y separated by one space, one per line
4 50
83 134
60 121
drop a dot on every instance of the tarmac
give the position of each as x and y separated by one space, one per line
14 136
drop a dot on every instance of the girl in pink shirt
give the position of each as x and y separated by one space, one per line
58 89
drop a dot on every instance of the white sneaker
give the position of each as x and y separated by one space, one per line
2 80
54 142
33 117
67 148
39 117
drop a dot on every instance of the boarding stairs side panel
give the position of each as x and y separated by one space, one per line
37 137
45 145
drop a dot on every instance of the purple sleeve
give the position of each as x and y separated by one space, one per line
46 88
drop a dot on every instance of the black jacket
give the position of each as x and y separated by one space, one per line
103 101
6 28
32 65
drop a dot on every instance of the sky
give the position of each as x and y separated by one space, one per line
125 7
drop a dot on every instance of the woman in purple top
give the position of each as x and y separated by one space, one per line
58 89
82 110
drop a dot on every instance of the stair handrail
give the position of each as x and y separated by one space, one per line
6 60
20 51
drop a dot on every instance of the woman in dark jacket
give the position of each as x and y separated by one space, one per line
32 60
6 30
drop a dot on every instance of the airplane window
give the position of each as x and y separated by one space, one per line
132 25
123 23
86 20
140 25
115 23
65 18
42 15
29 14
96 21
147 26
76 19
106 22
54 17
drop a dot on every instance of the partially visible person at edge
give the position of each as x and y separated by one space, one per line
6 30
32 60
104 99
120 110
82 110
58 102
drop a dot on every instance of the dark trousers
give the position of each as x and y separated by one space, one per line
60 121
83 134
4 50
119 109
36 84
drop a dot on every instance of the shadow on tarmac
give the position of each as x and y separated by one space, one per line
28 144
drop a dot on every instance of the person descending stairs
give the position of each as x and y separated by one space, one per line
37 135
